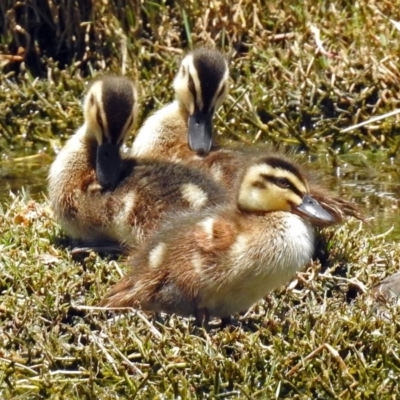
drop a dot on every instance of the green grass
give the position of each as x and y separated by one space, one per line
322 337
285 87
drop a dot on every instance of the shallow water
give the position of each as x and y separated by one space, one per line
26 173
372 181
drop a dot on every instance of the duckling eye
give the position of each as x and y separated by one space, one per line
192 87
282 182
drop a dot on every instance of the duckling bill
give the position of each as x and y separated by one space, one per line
200 132
222 260
310 208
108 154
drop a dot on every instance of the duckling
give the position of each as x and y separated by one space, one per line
102 198
222 260
185 125
182 131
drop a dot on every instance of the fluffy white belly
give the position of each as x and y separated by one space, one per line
260 264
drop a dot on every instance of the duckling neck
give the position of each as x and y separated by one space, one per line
163 133
74 164
81 146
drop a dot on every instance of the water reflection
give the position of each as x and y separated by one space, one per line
372 182
28 173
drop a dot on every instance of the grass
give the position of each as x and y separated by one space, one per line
301 73
322 338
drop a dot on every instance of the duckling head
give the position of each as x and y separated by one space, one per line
275 184
110 109
200 86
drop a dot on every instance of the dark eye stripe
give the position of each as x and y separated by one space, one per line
290 185
99 120
192 87
222 90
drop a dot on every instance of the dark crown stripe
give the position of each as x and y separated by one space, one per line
276 162
279 163
211 69
118 103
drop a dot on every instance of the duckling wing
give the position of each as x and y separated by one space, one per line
166 272
214 234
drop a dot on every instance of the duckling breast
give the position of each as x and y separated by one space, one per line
161 134
262 258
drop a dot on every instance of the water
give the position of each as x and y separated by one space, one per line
28 173
372 181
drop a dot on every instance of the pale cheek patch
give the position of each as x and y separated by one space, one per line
157 255
208 227
188 100
281 204
240 246
217 173
194 195
183 94
197 263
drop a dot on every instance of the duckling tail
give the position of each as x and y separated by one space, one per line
123 294
338 207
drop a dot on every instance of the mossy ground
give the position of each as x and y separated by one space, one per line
301 72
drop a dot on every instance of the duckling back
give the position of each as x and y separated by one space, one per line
147 191
221 261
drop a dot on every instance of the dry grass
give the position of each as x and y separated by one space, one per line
301 73
321 338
